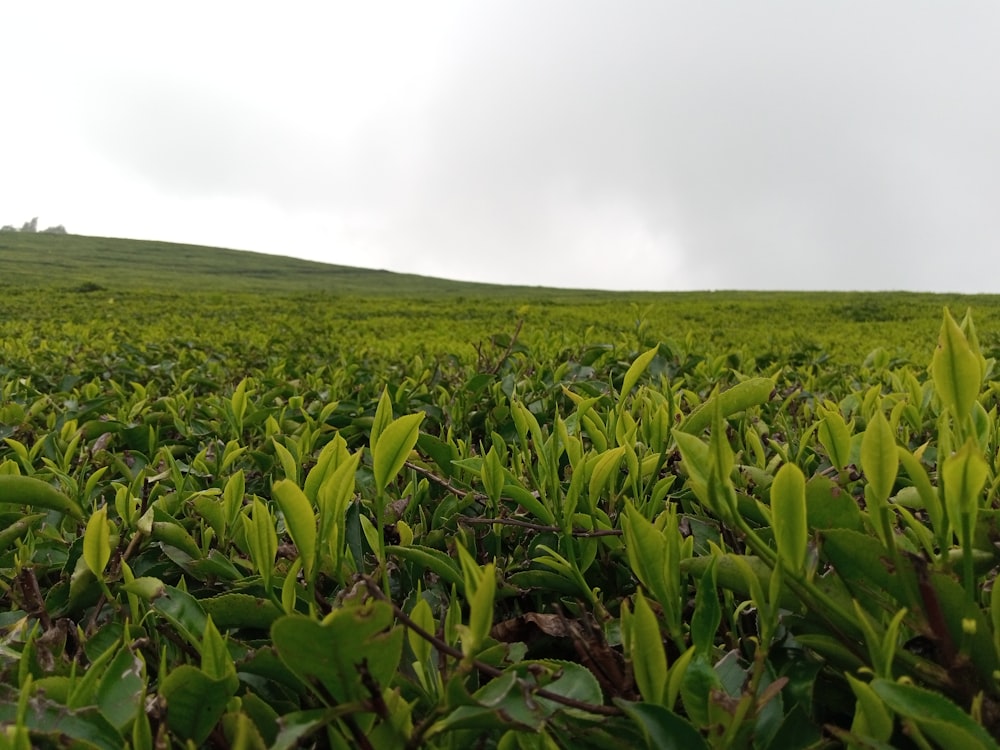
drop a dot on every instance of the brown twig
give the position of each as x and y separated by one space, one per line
442 482
443 647
376 701
510 347
31 594
581 533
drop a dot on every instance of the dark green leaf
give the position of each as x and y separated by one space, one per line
663 729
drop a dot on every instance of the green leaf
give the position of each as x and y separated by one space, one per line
707 611
529 502
431 559
938 717
955 369
694 452
421 615
216 661
195 702
662 729
928 495
330 457
52 720
964 474
289 464
262 539
646 549
863 564
393 448
300 519
635 371
835 438
298 725
742 396
648 656
604 465
481 607
830 507
492 475
20 490
238 403
96 542
332 651
503 702
235 610
731 573
788 512
173 534
122 689
182 611
879 457
383 417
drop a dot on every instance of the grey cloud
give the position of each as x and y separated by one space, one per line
774 144
786 144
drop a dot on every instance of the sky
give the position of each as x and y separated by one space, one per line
709 144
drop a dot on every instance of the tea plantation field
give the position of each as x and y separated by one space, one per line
257 502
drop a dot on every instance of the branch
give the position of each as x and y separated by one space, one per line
581 533
486 669
441 481
510 347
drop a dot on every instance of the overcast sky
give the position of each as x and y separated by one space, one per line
764 144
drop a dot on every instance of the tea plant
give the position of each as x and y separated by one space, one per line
214 537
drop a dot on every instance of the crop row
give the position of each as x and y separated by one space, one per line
242 537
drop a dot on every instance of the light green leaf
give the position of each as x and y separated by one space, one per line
289 464
648 656
646 548
262 539
964 474
742 396
492 474
635 371
956 369
481 609
788 514
529 502
21 490
423 617
835 437
96 542
383 417
216 661
604 465
300 519
879 457
928 494
393 448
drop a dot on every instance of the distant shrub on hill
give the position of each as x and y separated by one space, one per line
31 227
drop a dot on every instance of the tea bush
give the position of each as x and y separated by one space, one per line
249 521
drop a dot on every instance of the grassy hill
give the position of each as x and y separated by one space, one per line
70 261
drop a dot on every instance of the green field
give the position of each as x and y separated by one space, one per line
252 501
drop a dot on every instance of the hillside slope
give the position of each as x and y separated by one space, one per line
70 261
